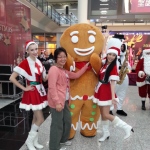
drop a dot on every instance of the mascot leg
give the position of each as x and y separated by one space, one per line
89 116
75 109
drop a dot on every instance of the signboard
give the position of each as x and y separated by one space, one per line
15 25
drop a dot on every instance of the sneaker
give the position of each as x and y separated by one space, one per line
68 143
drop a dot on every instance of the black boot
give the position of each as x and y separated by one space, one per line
143 105
121 112
110 112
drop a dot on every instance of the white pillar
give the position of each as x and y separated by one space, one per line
58 36
82 11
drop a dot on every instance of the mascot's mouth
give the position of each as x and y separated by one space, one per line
84 52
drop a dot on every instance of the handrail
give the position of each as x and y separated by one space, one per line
50 12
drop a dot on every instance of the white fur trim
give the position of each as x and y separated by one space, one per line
102 103
113 42
32 67
32 42
139 84
140 73
103 61
33 107
114 77
112 51
146 51
24 73
98 86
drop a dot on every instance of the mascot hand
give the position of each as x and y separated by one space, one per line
96 62
70 65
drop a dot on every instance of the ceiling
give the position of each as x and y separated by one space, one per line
115 12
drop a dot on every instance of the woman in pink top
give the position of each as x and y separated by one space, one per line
58 99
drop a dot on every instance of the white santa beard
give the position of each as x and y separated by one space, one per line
147 64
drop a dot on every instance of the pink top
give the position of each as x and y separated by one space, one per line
57 84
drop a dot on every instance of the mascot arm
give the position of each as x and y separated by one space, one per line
96 62
70 66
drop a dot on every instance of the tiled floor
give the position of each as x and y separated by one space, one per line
139 119
13 139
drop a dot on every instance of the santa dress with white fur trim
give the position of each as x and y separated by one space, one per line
103 96
32 71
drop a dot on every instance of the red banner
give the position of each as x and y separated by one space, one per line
15 24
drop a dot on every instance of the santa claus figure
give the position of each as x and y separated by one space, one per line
143 77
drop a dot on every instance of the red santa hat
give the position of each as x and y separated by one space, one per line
146 51
114 50
28 43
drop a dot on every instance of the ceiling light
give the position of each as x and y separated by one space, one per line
103 0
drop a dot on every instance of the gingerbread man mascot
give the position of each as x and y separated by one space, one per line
84 43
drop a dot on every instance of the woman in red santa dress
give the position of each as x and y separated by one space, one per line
34 96
143 77
105 94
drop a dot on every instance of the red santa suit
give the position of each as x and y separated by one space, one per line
32 71
143 67
102 94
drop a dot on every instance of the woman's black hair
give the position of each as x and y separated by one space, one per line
109 69
123 49
58 51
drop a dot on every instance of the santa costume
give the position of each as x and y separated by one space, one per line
143 77
33 71
120 89
103 97
100 96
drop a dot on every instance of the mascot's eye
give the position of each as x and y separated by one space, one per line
91 39
74 39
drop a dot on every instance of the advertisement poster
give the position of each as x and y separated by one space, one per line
137 42
15 23
138 6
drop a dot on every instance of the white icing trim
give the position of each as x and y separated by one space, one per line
74 32
86 125
84 52
73 68
92 32
81 97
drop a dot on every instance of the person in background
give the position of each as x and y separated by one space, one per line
105 94
122 87
34 95
131 55
135 63
118 41
59 99
143 77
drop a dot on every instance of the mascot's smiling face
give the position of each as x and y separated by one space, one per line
81 40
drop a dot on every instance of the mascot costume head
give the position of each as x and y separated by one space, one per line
83 43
